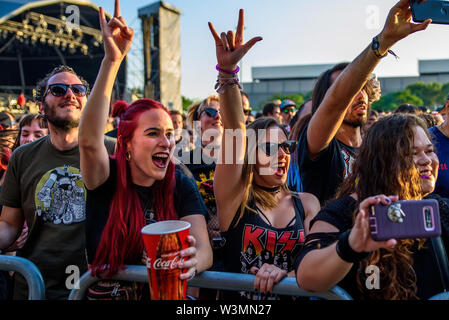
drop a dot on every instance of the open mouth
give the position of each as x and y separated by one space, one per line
426 174
281 170
160 160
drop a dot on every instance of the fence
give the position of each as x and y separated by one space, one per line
213 280
36 287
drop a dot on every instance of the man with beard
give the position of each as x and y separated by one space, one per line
328 144
43 187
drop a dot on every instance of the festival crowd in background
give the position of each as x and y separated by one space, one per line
285 192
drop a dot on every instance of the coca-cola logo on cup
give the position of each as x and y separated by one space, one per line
165 262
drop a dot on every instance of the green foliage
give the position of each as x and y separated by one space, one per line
430 93
392 100
186 102
297 98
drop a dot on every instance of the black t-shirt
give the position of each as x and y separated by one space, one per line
252 242
187 202
339 213
202 168
323 175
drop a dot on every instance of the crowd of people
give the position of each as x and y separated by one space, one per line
284 193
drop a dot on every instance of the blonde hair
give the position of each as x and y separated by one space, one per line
193 114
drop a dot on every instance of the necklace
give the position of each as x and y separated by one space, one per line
270 190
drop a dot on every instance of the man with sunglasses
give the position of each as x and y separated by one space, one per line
288 111
43 187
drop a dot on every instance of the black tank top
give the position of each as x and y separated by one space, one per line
252 241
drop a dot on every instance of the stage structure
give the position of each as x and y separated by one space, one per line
161 33
36 36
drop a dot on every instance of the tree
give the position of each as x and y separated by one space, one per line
430 93
186 102
392 100
297 98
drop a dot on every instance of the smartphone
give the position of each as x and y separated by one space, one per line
437 10
405 219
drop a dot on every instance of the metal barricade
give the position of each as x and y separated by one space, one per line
213 280
36 286
441 296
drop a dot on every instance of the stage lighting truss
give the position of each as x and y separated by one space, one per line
39 29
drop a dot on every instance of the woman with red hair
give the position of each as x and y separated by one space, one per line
140 185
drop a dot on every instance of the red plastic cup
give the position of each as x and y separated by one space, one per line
163 242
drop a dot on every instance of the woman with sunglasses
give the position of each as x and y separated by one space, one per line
264 224
205 119
140 184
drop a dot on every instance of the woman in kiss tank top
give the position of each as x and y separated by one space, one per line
264 223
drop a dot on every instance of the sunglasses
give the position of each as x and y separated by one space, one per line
60 89
289 110
211 112
247 112
288 147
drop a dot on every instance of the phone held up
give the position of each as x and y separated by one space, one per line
437 10
405 219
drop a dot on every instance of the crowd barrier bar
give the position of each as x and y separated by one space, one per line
36 287
441 296
212 280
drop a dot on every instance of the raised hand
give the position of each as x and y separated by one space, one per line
117 36
399 23
360 237
230 47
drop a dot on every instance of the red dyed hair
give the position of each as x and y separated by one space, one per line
121 241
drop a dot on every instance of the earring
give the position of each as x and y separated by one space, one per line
128 156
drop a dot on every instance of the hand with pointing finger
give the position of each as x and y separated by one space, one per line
117 36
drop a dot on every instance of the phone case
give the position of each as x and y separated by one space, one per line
437 10
405 219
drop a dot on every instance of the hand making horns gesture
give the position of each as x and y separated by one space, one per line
117 36
230 47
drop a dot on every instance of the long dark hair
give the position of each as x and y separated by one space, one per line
121 241
384 165
319 92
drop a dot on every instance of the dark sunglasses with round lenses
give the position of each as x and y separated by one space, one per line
211 112
60 89
271 147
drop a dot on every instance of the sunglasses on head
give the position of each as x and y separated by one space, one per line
288 147
60 89
211 112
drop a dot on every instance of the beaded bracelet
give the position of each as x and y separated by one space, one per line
345 252
223 83
226 71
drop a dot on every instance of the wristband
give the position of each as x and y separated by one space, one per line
226 71
375 45
345 252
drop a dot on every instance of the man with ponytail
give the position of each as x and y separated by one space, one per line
139 184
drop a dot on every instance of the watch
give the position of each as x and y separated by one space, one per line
375 45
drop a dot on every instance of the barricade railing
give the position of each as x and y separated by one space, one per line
441 296
212 280
36 287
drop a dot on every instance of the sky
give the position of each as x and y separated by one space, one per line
294 32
